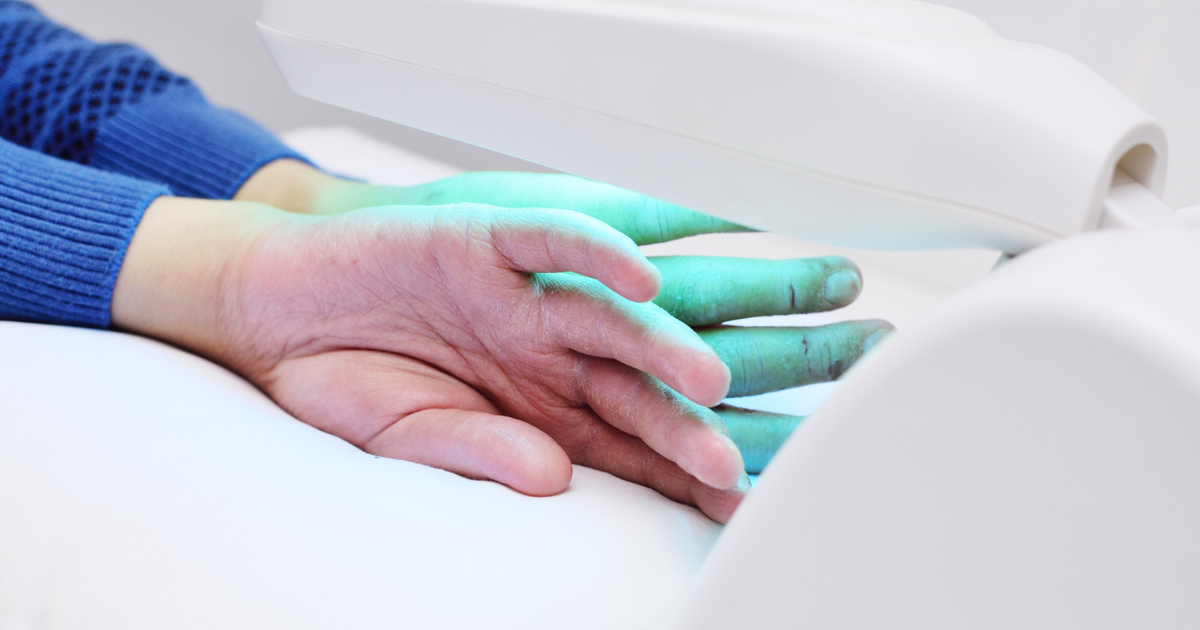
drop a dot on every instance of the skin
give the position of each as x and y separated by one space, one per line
758 434
375 318
706 290
763 360
494 344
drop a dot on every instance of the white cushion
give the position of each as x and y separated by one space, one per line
144 487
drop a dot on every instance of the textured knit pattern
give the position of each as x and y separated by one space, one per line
92 135
182 141
113 106
58 87
64 229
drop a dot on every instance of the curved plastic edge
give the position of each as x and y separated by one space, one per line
909 501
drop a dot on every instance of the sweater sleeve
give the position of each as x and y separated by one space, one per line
64 229
112 106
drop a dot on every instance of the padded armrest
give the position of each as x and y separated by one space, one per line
143 487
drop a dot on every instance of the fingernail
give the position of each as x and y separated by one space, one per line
727 479
744 484
874 339
741 467
842 287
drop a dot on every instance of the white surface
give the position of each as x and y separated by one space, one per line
1028 456
874 123
143 487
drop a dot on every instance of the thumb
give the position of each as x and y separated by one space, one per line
478 445
397 407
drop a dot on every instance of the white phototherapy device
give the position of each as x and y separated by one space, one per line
1028 456
869 123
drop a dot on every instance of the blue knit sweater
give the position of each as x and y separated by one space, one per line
91 134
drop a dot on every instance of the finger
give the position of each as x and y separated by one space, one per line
706 290
644 219
768 359
548 241
631 459
478 445
397 407
758 434
583 316
688 434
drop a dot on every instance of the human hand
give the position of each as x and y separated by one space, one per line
446 336
703 292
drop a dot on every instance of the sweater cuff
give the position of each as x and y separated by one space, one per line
179 139
64 230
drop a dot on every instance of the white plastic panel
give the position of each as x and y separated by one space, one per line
862 113
1027 457
1147 48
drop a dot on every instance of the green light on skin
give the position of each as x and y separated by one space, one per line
707 290
701 291
768 359
758 434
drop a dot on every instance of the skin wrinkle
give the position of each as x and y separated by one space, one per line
464 362
661 220
768 359
590 246
570 332
646 465
741 375
528 395
504 249
228 313
677 432
763 370
461 348
365 277
294 344
488 381
709 290
615 313
530 399
758 434
327 342
460 322
505 434
651 338
470 233
489 408
680 430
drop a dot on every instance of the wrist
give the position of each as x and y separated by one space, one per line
301 188
181 268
